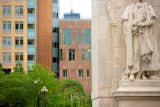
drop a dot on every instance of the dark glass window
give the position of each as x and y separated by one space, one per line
65 72
71 54
80 72
88 73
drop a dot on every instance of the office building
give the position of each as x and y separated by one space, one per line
75 49
27 33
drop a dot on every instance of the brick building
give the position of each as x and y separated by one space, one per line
75 50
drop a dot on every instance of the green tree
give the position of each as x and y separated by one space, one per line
46 78
18 68
17 90
1 67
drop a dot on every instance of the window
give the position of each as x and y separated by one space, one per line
6 26
88 73
60 55
55 14
79 37
65 72
31 57
83 52
19 57
89 55
6 10
19 11
31 26
88 37
67 36
55 45
71 54
31 41
19 42
19 26
31 11
6 57
55 60
80 72
6 42
55 30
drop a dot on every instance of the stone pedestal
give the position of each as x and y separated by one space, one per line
139 93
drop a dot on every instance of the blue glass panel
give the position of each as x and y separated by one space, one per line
31 34
67 36
30 64
55 8
31 19
55 52
31 50
88 36
55 67
31 3
55 22
55 37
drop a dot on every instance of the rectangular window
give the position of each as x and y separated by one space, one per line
19 42
60 55
67 36
6 10
55 60
55 45
6 42
31 42
31 27
6 57
19 11
83 52
6 27
65 73
19 57
31 57
19 26
71 54
80 72
31 11
88 73
88 36
89 55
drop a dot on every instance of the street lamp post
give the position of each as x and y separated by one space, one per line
37 84
44 90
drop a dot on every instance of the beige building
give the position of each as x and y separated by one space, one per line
17 33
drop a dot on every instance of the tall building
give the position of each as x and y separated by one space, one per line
75 49
27 33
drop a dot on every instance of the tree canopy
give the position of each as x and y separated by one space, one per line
18 89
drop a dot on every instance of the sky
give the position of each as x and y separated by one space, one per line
79 6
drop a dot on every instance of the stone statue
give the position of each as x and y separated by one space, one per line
142 54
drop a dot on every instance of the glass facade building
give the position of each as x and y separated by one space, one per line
55 37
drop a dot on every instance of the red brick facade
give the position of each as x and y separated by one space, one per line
44 37
74 66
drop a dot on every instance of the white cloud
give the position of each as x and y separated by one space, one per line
79 6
